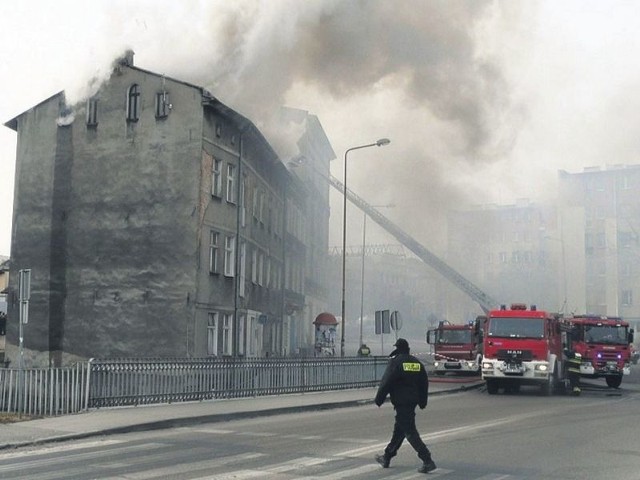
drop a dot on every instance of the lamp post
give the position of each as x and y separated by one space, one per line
364 246
379 143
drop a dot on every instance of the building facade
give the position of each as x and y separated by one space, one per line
605 205
580 255
511 252
156 221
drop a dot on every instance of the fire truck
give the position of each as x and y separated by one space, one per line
456 348
522 346
604 344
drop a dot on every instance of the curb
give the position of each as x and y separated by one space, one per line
213 418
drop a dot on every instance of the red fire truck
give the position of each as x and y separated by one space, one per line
456 348
604 344
522 346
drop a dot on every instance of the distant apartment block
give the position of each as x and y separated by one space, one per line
581 254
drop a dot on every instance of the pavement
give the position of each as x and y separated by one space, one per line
108 421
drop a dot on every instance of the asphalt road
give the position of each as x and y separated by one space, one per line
473 436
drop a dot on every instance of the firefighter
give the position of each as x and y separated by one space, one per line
405 381
573 359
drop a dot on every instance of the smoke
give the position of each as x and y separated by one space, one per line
423 74
426 50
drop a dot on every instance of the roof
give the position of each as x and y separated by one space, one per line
325 318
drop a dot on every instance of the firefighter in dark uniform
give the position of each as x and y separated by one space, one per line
573 359
405 381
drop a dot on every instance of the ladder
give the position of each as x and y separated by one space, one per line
485 301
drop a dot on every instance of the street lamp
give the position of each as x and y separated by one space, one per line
379 143
364 246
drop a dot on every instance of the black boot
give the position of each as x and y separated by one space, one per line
427 467
383 460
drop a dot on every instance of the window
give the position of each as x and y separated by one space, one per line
231 181
627 297
133 103
503 257
267 275
218 130
256 196
216 178
260 269
92 112
229 256
254 266
252 341
212 334
227 334
261 208
241 334
162 105
213 252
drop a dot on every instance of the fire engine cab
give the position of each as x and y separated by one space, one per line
456 348
522 346
604 344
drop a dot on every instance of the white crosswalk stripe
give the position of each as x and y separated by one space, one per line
212 464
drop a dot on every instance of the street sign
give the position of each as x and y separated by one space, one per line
396 320
382 322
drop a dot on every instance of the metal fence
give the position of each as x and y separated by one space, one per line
44 391
120 382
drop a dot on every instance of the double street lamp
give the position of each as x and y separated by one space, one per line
379 143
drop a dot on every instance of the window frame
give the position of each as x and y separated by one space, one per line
214 252
163 106
227 334
133 103
231 181
216 178
212 333
92 112
229 255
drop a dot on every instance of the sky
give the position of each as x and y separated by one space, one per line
483 101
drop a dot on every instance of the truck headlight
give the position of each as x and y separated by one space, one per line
542 367
471 364
436 364
487 365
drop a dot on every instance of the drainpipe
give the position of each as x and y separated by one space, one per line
236 284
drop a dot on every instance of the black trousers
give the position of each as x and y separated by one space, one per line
405 427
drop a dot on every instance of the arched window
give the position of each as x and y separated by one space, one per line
133 103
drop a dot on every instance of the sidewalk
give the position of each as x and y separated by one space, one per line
153 417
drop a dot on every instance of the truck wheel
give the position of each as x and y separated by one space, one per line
549 386
492 387
614 382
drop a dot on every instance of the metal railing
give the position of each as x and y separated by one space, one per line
122 382
44 391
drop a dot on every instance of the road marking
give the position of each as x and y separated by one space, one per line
60 448
257 434
495 476
210 430
346 473
283 467
76 456
186 467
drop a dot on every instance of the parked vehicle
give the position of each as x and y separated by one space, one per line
456 348
605 345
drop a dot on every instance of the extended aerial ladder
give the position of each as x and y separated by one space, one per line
485 301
